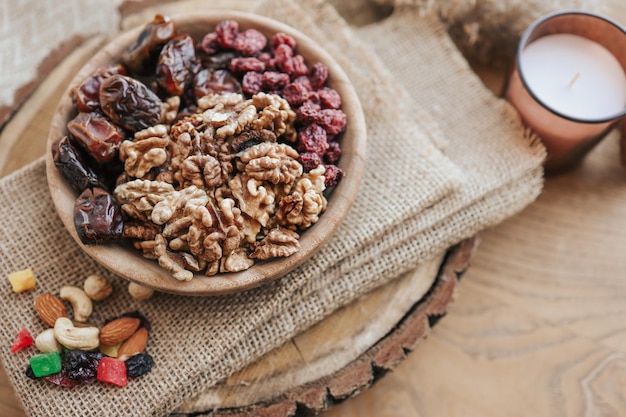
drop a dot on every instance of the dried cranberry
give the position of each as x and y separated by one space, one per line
72 166
305 81
309 161
295 93
252 83
129 103
177 65
299 66
61 379
80 365
313 139
267 59
227 31
332 120
332 176
249 42
209 44
86 96
329 98
273 80
333 153
97 216
142 55
283 54
219 60
283 39
318 75
239 65
307 112
138 365
97 135
209 81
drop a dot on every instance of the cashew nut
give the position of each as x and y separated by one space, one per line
84 338
139 292
81 303
97 288
46 342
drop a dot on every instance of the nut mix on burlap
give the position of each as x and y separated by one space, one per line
413 203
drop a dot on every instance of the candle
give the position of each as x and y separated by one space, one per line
569 83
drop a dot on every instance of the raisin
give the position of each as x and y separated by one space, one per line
283 54
29 372
333 153
80 365
138 365
332 176
329 98
332 120
220 81
249 42
61 379
252 83
295 93
72 166
273 80
318 75
227 31
177 65
307 112
96 135
312 139
86 96
309 161
283 39
240 65
142 55
299 66
129 103
97 216
219 60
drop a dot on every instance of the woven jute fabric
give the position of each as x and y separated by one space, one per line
429 182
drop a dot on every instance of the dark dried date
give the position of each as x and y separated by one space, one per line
96 135
177 65
97 217
142 55
129 103
219 81
86 95
73 167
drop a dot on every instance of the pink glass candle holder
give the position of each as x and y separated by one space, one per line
569 83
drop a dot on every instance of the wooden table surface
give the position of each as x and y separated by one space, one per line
539 327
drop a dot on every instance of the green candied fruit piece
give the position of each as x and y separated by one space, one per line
46 364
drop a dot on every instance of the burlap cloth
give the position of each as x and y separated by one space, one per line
445 159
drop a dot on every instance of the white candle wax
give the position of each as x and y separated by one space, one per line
574 76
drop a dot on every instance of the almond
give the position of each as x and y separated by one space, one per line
134 345
118 330
49 308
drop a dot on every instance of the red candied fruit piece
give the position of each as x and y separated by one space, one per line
332 176
283 39
22 341
318 75
309 161
240 65
312 139
332 120
307 113
333 153
283 55
249 42
227 31
252 83
295 94
273 80
299 66
112 371
209 44
329 98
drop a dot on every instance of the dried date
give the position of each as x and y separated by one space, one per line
129 103
177 65
96 135
86 96
218 81
142 55
97 217
73 167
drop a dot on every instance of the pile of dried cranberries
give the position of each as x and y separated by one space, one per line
207 154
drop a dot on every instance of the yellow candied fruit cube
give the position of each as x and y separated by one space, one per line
110 350
23 280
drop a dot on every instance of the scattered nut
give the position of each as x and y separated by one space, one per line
118 330
47 342
97 287
85 338
49 308
139 292
81 303
134 345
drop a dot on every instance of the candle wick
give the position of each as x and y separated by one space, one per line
573 80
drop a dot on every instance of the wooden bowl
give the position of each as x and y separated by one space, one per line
129 263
